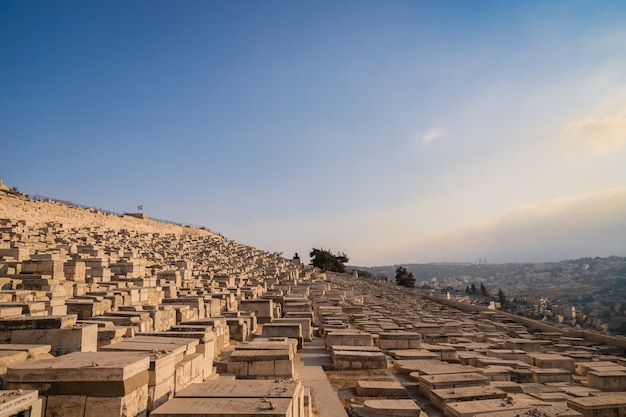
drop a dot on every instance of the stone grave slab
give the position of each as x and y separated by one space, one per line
261 364
399 340
249 389
348 337
513 402
128 346
551 360
427 383
284 329
77 338
414 354
436 369
20 402
267 344
413 365
87 383
442 396
391 389
224 407
33 351
89 373
355 359
558 409
405 408
548 375
38 322
613 404
242 389
9 357
189 343
583 367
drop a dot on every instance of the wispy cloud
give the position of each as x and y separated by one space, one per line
582 225
598 135
433 134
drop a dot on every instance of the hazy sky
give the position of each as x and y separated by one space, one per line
395 131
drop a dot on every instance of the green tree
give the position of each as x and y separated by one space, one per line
404 277
473 290
483 290
501 297
326 261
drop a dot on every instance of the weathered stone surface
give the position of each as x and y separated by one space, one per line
84 368
38 322
62 341
262 364
65 406
15 402
343 359
134 404
406 408
613 404
514 402
414 354
440 397
399 340
224 407
391 389
242 389
130 346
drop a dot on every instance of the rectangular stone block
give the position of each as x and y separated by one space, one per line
263 309
161 392
440 397
427 383
38 322
607 380
8 357
33 351
190 344
390 389
270 344
65 406
62 341
93 374
348 338
237 389
261 364
284 329
518 403
399 340
14 402
134 404
551 360
551 375
225 407
129 346
189 370
613 404
359 360
10 311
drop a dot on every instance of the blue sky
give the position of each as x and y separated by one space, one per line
402 131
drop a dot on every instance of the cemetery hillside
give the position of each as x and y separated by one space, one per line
108 314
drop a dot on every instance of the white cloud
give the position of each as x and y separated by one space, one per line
433 134
598 135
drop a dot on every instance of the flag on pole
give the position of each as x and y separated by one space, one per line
140 207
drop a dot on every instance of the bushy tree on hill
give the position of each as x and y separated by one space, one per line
404 277
325 260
